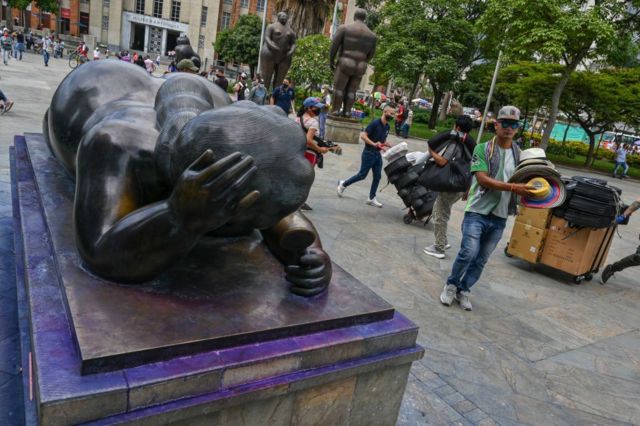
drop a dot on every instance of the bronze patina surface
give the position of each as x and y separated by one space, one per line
212 298
277 51
352 47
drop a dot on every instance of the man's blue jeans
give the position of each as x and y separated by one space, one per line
480 236
625 168
371 160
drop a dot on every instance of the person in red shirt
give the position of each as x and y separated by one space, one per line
82 50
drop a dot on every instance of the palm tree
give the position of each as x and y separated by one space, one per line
306 16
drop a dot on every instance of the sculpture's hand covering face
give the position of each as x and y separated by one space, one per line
277 145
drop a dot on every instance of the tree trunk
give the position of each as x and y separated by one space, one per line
592 144
596 150
414 88
555 100
445 105
437 98
564 138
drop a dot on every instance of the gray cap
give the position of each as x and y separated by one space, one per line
509 112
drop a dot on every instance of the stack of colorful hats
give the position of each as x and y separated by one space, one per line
541 175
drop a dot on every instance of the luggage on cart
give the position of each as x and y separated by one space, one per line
590 203
419 200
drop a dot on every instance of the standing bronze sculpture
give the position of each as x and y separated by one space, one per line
353 46
161 164
277 51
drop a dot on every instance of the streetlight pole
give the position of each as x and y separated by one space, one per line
264 24
486 107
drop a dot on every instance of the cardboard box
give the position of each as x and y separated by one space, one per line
534 217
575 251
526 241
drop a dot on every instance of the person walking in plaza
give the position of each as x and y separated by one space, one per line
283 96
258 94
240 87
326 99
149 64
491 200
221 80
446 200
621 161
5 103
628 261
399 117
375 139
19 46
96 54
406 125
6 44
46 48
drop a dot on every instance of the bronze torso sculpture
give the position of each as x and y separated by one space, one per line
277 51
354 46
161 164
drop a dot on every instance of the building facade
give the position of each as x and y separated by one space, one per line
153 26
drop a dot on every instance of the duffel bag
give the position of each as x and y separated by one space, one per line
455 176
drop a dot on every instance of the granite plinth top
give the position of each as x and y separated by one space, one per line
187 309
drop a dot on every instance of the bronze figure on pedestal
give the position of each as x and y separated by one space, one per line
277 51
160 165
353 46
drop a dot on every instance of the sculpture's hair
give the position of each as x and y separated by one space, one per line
360 14
180 99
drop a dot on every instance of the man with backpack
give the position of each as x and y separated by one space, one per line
258 94
446 200
240 87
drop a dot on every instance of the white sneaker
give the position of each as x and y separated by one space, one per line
434 251
375 203
447 246
341 188
448 293
463 299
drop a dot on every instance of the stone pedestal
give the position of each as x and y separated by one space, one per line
198 353
342 130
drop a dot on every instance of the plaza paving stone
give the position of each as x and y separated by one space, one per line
536 349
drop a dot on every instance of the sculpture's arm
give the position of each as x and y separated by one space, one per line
372 52
295 242
122 240
269 41
336 44
292 44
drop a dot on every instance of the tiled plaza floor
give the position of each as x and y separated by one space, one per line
537 349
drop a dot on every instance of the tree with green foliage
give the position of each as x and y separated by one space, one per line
241 44
560 31
306 17
310 64
434 38
598 100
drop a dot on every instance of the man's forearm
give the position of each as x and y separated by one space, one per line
366 139
632 208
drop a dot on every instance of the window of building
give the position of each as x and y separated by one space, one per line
260 6
65 25
201 42
226 20
157 8
105 23
84 1
203 16
83 26
106 3
244 3
140 7
175 10
228 1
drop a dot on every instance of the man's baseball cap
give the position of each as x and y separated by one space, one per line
187 64
509 112
313 102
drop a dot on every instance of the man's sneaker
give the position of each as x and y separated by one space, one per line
462 298
306 207
8 106
434 251
448 293
341 188
606 274
447 246
375 203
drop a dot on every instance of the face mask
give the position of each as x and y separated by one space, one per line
285 85
315 111
388 117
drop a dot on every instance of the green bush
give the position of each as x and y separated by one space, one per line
421 116
360 107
